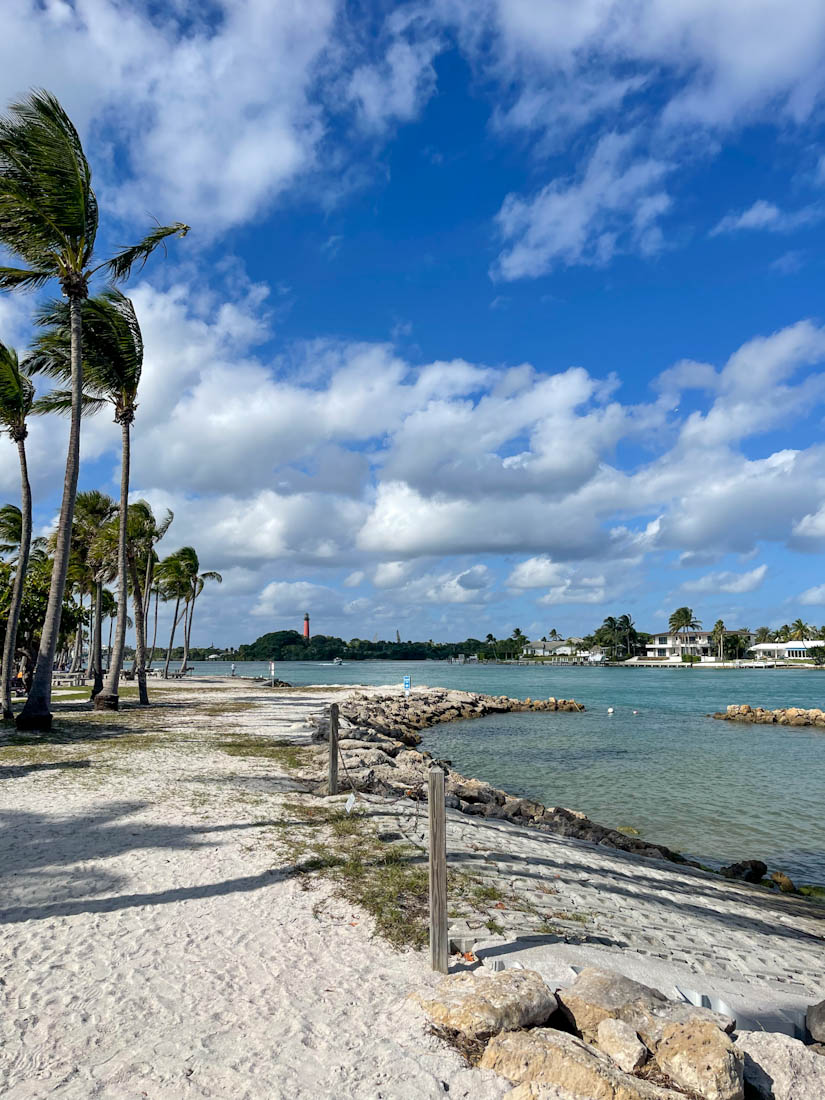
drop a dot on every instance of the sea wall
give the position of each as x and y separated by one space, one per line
786 716
377 737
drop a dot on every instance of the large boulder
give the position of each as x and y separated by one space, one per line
815 1020
548 1059
482 1004
598 995
778 1067
698 1056
622 1044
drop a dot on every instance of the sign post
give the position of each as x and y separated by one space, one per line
407 684
272 673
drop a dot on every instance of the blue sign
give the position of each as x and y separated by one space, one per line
407 683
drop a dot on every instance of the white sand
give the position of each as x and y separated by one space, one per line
150 945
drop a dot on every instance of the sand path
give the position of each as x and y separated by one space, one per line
151 944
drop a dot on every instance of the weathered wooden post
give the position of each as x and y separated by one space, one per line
439 944
332 784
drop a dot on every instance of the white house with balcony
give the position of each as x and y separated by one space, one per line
669 645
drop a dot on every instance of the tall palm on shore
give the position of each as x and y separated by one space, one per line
611 630
718 636
174 580
16 401
143 532
683 620
799 631
197 581
49 218
112 364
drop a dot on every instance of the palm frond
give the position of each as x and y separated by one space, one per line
60 401
120 266
48 210
16 390
17 278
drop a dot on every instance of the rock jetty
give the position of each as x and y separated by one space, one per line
402 716
786 716
378 738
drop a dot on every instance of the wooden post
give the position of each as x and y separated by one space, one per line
332 784
439 944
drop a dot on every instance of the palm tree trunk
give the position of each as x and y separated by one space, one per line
140 636
171 640
78 637
91 661
10 642
187 628
108 698
36 714
155 631
109 647
97 644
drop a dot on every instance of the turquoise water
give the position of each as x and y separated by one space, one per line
718 791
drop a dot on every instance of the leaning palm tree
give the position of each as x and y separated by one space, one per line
174 582
49 218
196 587
112 365
11 535
16 400
143 532
799 630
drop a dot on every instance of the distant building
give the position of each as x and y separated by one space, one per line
561 650
306 625
785 651
671 645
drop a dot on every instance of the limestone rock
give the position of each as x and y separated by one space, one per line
749 870
622 1044
548 1059
778 1067
698 1056
815 1020
532 1091
482 1004
598 995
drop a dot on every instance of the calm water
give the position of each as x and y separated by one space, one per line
715 790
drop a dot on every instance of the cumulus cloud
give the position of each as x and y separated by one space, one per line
813 596
615 205
728 582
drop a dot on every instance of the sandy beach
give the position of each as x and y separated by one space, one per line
155 940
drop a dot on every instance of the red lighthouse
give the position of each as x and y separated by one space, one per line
306 625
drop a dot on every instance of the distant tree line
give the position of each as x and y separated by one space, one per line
289 645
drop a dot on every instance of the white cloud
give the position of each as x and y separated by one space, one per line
535 573
766 215
728 582
813 596
354 579
614 206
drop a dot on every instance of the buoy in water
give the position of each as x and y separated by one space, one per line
610 710
635 712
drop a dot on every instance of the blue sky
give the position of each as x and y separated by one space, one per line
492 315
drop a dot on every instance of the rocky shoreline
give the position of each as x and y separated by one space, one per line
784 716
378 739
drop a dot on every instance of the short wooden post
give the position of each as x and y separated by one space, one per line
332 784
439 944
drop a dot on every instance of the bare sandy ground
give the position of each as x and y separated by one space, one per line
152 943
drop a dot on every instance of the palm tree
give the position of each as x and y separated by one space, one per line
174 583
112 364
626 627
143 532
198 581
49 218
683 619
718 636
16 400
11 535
610 628
93 516
763 634
798 630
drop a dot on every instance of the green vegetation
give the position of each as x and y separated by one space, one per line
289 645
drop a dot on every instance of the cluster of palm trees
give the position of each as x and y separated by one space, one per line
90 347
797 631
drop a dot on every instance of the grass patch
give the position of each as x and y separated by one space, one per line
816 892
291 756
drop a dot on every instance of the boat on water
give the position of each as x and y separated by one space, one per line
337 660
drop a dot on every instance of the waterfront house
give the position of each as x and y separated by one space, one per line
784 651
669 645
